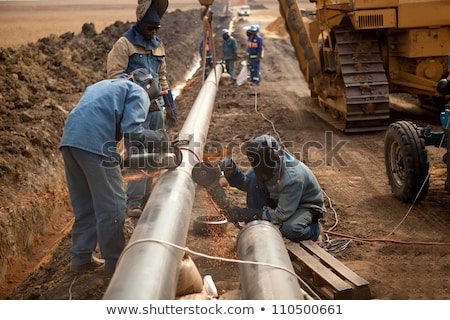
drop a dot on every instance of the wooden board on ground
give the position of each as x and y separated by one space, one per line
327 276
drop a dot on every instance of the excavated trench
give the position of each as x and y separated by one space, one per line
39 92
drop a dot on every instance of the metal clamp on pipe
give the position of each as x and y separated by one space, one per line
153 161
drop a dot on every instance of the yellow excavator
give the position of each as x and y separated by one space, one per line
354 53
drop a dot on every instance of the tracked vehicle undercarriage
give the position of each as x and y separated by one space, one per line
355 53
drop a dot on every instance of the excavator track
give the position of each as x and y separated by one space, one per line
366 96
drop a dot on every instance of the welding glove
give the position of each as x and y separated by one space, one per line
155 140
271 215
228 166
238 214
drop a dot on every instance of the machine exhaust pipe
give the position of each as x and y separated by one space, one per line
260 241
149 265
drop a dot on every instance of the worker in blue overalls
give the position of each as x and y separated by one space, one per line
255 52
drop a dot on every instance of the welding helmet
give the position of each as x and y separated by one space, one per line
263 153
143 78
443 87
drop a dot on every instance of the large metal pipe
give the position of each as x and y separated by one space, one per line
148 267
261 242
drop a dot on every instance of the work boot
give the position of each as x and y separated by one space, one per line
134 211
321 236
85 267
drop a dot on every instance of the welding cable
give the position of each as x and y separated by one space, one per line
334 245
193 152
423 243
71 285
185 249
265 118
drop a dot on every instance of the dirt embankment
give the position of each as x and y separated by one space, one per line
42 82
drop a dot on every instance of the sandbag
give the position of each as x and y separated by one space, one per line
189 278
243 75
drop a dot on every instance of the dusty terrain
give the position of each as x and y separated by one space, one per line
401 250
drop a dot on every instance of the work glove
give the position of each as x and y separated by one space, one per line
270 215
156 140
228 166
238 214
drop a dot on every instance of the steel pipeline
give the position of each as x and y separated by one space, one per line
148 267
273 277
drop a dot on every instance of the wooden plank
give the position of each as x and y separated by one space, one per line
321 274
326 274
331 262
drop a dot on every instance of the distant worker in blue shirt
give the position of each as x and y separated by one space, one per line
229 53
255 52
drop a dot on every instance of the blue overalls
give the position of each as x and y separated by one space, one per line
138 190
255 51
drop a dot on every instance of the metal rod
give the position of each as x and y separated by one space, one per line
148 267
260 241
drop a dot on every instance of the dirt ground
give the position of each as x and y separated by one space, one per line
402 251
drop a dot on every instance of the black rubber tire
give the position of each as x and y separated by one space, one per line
406 161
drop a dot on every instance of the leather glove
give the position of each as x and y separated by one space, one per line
238 214
156 140
270 215
228 166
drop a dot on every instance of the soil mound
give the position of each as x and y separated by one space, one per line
42 82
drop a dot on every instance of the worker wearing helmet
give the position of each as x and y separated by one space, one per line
255 52
280 189
140 47
229 53
107 111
